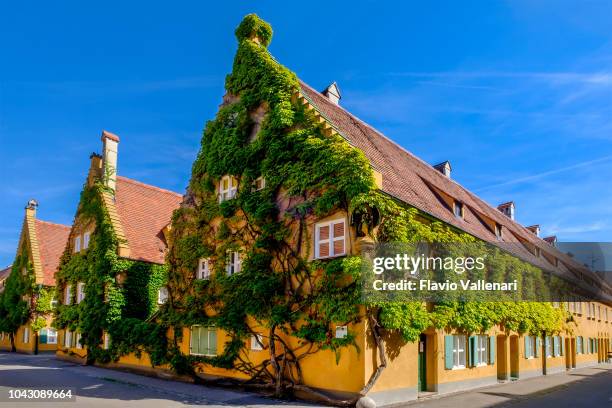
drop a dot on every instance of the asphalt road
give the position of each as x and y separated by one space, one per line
98 387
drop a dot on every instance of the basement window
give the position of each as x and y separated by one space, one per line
330 238
458 209
228 186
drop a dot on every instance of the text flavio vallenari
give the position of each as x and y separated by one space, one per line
413 264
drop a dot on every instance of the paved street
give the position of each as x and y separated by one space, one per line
98 387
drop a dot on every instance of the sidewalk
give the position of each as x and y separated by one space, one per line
585 387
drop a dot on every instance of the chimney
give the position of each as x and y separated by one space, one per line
535 229
332 92
444 168
95 169
507 209
110 143
31 207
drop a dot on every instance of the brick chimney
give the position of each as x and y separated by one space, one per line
444 168
332 92
507 209
110 144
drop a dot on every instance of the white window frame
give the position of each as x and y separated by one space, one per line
231 190
341 332
80 295
233 262
204 268
209 330
77 341
482 350
106 340
259 183
256 342
534 346
67 339
77 244
86 238
162 295
459 352
26 335
68 294
329 241
51 335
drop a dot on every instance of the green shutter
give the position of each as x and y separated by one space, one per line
194 347
448 352
538 346
527 346
42 336
203 340
473 342
212 341
492 350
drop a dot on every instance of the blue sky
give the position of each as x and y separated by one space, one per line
517 95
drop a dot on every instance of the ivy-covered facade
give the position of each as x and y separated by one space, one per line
28 296
111 276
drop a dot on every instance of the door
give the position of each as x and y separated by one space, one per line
514 356
502 359
422 363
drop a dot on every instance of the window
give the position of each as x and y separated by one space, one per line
228 186
26 335
531 347
67 339
233 262
48 336
54 303
68 294
548 344
204 268
203 341
330 239
106 340
458 352
458 209
259 183
256 342
77 244
80 295
341 332
86 237
162 295
482 350
77 341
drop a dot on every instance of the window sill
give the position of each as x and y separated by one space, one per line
458 368
319 258
202 355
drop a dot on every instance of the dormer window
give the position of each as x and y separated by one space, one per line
228 186
86 237
233 262
77 244
259 183
498 230
204 268
458 209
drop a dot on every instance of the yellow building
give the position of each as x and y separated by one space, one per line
28 292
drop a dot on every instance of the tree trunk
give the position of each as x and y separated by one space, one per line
12 337
35 343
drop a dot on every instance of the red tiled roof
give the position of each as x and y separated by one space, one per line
411 180
52 240
4 273
144 211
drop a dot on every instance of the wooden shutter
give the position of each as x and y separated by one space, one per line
527 346
492 350
473 347
339 238
448 352
323 241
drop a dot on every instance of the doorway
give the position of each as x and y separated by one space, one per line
422 363
514 356
502 358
